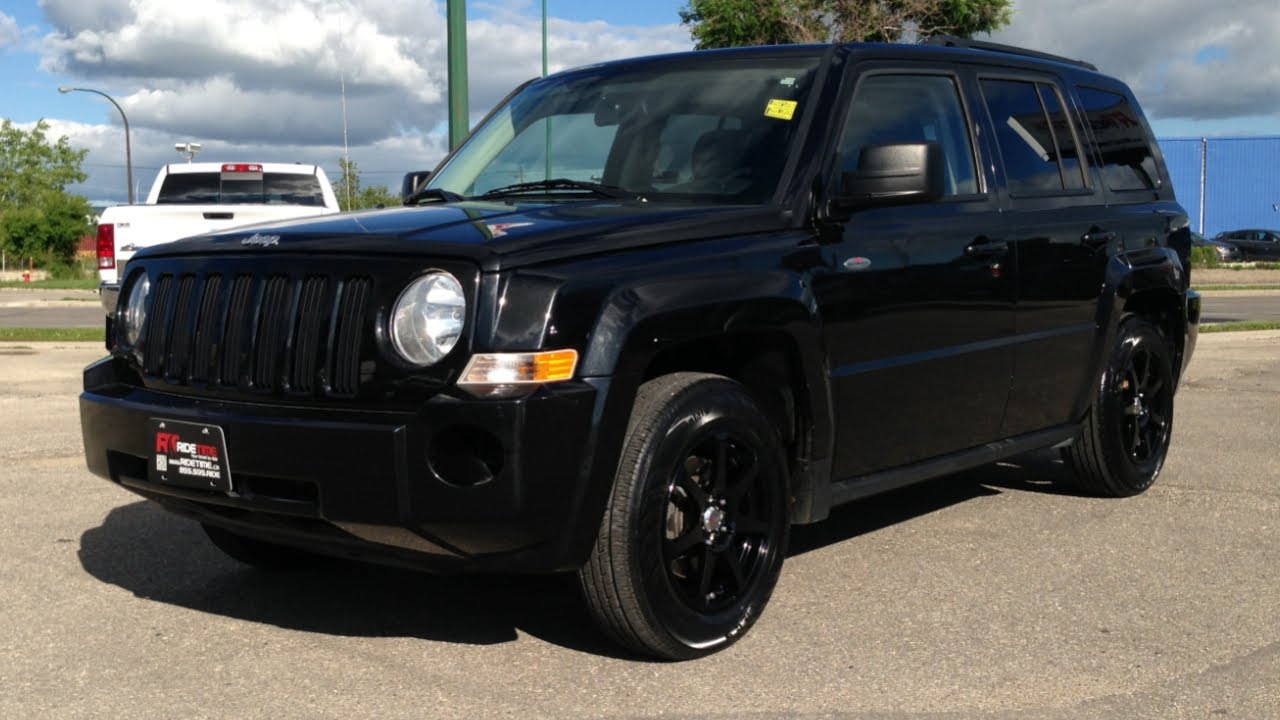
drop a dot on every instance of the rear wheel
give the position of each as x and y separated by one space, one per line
1123 442
257 553
693 539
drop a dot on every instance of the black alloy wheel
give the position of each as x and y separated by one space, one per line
695 532
716 530
1123 442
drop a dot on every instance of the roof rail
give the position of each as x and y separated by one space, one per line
959 42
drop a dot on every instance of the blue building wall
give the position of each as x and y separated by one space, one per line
1242 181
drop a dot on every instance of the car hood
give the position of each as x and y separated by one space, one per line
494 235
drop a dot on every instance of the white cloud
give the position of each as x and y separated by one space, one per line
271 72
1184 59
260 81
9 32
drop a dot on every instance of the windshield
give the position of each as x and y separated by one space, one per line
718 131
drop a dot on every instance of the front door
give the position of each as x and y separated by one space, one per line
917 300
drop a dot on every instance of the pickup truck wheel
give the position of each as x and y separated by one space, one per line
693 538
1123 442
259 554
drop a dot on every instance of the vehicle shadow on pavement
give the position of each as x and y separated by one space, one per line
168 559
161 557
1040 472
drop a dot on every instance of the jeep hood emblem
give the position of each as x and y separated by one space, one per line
261 240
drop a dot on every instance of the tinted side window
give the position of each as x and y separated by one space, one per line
1118 129
1039 151
895 109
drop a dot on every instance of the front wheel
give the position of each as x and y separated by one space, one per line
1123 442
693 538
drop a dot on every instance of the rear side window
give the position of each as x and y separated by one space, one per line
896 109
1127 163
1037 145
217 188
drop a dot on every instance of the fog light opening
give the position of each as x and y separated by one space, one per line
464 456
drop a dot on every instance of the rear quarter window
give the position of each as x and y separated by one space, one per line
1122 143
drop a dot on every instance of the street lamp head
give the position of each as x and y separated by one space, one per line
64 89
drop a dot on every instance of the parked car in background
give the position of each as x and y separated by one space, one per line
1226 251
1253 244
193 198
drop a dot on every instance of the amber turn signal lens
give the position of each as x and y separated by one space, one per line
511 374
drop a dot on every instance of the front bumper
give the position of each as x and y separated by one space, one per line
458 485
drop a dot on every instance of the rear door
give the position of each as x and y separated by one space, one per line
917 307
1062 238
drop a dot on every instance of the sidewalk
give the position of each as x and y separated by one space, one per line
42 297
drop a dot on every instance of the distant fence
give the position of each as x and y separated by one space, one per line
1226 183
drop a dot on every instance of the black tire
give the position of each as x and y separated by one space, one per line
1123 442
259 554
695 532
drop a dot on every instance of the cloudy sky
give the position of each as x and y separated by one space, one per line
260 80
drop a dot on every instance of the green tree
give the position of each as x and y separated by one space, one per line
731 23
351 196
38 217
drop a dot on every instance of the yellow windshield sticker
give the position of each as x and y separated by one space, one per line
781 109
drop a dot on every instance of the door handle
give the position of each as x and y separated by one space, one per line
984 247
1100 238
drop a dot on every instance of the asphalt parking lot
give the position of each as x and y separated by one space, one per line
992 594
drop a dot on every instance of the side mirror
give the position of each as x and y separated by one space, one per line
413 182
893 175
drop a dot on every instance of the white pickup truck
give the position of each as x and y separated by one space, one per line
193 198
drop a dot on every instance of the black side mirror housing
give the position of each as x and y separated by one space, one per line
413 182
897 174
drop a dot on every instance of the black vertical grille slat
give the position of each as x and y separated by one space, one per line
273 324
239 312
158 326
178 357
344 361
206 336
276 332
310 324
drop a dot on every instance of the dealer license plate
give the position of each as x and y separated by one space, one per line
191 455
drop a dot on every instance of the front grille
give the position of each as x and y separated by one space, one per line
268 334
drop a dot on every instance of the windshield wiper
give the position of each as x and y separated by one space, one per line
433 194
546 186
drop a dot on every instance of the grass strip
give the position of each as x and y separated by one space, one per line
1222 287
1241 326
63 334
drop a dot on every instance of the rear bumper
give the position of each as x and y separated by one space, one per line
109 293
458 485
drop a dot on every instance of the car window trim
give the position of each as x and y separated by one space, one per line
986 72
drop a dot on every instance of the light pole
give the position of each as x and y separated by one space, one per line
128 149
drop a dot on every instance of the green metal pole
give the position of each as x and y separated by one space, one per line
547 172
459 122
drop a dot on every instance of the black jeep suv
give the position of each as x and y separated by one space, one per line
653 312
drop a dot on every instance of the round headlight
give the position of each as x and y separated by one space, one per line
135 310
427 319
